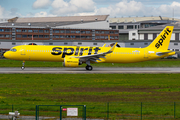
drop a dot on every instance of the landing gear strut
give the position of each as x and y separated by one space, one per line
23 65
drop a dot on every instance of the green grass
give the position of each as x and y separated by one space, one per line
154 63
125 92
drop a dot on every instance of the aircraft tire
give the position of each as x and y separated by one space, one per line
22 68
89 67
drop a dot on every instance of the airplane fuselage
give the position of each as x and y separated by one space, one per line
58 53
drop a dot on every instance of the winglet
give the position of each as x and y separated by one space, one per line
113 47
104 45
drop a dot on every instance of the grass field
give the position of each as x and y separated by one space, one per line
123 93
93 90
154 63
79 88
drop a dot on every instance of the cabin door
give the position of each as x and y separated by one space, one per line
23 50
146 54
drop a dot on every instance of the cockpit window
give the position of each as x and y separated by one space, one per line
13 50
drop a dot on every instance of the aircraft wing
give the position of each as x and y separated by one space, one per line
96 57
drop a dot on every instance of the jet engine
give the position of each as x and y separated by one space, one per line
71 62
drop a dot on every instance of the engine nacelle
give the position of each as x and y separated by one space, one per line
71 62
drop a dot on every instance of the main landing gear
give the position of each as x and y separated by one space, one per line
22 68
88 67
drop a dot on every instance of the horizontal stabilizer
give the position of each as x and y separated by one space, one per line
163 53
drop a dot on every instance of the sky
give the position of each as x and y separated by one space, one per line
113 8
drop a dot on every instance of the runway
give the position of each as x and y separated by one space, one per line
96 70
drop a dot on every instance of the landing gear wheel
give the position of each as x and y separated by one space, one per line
22 67
89 67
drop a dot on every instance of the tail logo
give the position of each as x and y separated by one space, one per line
162 38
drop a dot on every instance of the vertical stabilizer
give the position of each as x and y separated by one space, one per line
163 39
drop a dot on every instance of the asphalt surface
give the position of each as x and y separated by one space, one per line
95 70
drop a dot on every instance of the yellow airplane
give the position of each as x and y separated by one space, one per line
73 56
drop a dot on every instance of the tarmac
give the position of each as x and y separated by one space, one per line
96 70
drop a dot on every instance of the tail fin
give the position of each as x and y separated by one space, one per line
163 39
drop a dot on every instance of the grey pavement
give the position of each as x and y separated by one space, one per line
80 70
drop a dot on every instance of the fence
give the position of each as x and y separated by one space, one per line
60 111
110 110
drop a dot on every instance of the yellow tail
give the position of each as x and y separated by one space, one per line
163 39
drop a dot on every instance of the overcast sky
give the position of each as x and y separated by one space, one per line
114 8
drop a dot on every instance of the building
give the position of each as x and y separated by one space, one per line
129 27
4 20
58 28
43 33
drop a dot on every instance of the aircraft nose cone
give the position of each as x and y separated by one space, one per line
6 54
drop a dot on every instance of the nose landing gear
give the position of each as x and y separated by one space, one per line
22 68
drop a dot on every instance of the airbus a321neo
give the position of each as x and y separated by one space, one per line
73 56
